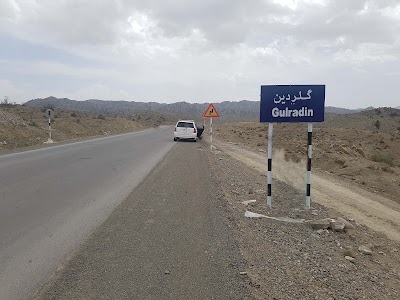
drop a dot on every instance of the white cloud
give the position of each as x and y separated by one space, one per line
159 50
9 10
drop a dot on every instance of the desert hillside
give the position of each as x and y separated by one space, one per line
363 148
23 126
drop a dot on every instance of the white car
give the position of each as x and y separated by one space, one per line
185 130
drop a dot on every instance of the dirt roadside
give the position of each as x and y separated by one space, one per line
376 212
168 240
294 261
24 128
348 147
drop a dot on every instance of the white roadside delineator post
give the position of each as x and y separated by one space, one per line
49 115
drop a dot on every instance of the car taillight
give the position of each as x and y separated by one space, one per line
175 129
194 130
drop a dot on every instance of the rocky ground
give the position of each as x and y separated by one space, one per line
294 261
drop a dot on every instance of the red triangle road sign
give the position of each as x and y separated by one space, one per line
211 112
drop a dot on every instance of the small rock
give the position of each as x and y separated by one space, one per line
319 224
350 253
243 273
339 227
248 202
235 192
347 224
315 235
349 258
167 272
322 231
365 250
314 213
395 250
381 252
351 233
370 246
352 220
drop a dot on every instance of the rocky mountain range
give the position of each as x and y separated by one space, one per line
229 110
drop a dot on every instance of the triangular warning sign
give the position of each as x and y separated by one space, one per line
211 112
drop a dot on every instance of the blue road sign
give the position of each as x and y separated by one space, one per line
292 103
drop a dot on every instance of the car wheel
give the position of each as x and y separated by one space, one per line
195 140
175 139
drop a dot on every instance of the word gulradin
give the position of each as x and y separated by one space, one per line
288 113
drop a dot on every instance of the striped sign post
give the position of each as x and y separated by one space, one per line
308 178
269 176
292 104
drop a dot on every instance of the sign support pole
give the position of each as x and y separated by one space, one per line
211 134
50 130
308 179
269 176
211 113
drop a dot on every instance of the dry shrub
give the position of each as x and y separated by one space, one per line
381 157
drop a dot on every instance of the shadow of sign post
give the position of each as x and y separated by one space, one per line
291 104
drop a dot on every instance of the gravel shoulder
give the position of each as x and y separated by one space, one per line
294 261
170 239
370 209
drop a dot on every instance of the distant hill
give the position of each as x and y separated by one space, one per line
239 111
230 111
341 111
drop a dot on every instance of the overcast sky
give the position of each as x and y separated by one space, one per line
199 51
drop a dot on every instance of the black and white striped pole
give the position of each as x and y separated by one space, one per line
50 130
308 178
49 116
269 175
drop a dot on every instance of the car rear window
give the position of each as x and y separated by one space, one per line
185 124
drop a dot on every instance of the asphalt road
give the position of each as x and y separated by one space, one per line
170 239
52 199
